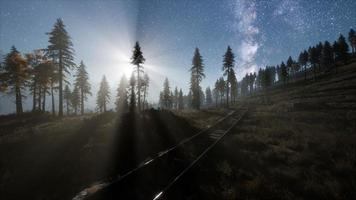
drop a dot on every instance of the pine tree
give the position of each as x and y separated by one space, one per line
166 97
132 93
342 50
33 60
180 100
284 72
234 86
228 65
352 41
103 96
82 81
138 59
326 59
15 76
122 95
303 60
197 75
175 98
45 72
145 85
222 89
208 96
67 97
313 59
61 51
75 99
290 66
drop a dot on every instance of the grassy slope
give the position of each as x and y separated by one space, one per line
297 142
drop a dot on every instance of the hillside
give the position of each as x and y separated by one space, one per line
297 142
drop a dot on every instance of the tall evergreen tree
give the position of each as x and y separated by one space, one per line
197 75
122 95
313 59
175 98
180 100
14 76
326 59
145 85
45 72
138 59
33 60
290 66
67 97
284 72
352 40
234 86
342 52
303 60
228 65
166 97
132 93
61 51
82 81
75 99
208 96
103 96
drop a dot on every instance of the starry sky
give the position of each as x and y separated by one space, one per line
103 32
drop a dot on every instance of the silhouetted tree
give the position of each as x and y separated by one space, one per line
290 66
132 93
82 81
326 59
197 75
234 91
45 72
228 65
352 40
145 84
303 60
67 97
138 59
166 97
175 98
284 73
313 59
75 99
33 60
61 51
208 96
122 95
342 49
103 96
180 100
14 76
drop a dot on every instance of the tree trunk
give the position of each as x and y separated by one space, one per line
144 99
104 106
52 94
138 88
34 96
39 98
18 100
60 79
67 103
82 102
44 99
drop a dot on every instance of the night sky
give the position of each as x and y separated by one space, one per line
103 33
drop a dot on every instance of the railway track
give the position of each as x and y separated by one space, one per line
154 177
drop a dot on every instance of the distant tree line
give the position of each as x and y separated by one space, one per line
45 72
311 63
